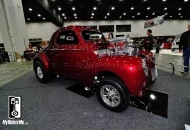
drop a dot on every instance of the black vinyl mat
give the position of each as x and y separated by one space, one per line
153 102
80 89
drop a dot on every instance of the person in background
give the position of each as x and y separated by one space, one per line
185 45
149 41
28 52
4 54
44 44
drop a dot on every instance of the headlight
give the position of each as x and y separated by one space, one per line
144 65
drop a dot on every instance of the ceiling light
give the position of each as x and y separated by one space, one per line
120 0
44 18
138 13
75 14
179 9
179 14
133 16
181 17
65 17
91 17
185 0
75 17
73 8
59 8
105 17
30 9
166 13
148 8
39 15
108 13
112 8
28 18
120 17
170 16
146 16
124 13
153 13
94 8
63 14
92 14
132 8
144 0
163 0
165 8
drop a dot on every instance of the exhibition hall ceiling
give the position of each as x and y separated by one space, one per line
108 9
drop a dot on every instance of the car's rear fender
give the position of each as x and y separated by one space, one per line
43 58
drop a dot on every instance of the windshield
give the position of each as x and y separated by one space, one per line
93 35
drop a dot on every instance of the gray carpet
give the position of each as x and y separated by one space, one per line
52 107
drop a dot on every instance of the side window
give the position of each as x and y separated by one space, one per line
62 39
67 37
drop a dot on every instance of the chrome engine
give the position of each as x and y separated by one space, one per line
117 50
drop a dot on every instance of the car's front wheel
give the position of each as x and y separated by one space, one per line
41 73
113 94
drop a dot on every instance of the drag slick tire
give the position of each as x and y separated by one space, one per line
113 94
41 73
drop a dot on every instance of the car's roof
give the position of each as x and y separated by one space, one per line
77 27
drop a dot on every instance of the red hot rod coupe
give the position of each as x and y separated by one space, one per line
83 54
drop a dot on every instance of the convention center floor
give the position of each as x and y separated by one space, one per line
13 70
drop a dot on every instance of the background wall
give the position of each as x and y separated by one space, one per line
1 39
42 30
170 27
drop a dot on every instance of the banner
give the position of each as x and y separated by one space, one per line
154 22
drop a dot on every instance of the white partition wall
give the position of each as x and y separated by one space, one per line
42 30
170 27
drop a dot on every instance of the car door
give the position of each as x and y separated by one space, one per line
70 54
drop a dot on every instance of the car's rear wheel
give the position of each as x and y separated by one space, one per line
42 74
113 94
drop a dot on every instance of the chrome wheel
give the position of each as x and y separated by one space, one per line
39 72
110 95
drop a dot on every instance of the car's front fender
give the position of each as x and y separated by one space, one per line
128 69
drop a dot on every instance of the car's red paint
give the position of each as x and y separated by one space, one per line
44 59
80 62
128 69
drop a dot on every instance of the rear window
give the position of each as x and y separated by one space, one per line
92 35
